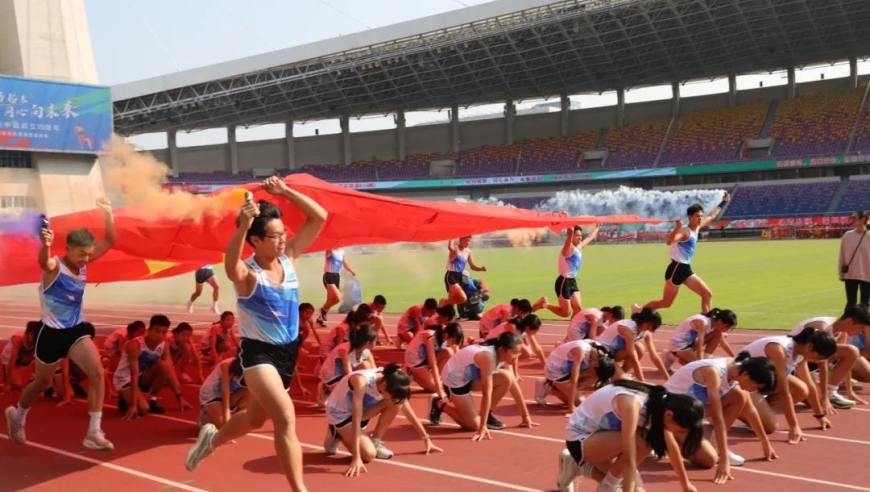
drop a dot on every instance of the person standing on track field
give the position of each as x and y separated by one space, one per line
458 257
683 241
268 310
205 275
570 259
854 263
335 261
63 332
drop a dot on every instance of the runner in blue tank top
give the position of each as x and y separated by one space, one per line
268 315
570 259
334 263
683 241
63 332
458 257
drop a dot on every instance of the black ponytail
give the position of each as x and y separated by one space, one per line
531 322
506 341
362 335
725 316
688 413
397 381
453 332
447 312
236 367
606 365
648 316
858 314
616 312
823 343
761 370
181 328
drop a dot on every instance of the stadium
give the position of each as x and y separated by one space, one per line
564 125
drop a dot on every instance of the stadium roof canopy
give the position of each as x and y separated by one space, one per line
503 49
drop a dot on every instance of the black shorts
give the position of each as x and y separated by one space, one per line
463 390
53 344
253 353
346 422
677 273
576 450
332 279
203 274
566 287
452 278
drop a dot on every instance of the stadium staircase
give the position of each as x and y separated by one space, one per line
664 142
602 138
768 120
838 196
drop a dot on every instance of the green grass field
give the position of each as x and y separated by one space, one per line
770 284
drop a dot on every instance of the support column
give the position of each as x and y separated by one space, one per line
732 90
790 89
233 149
564 118
853 73
289 146
400 133
172 151
454 128
675 101
620 107
345 140
510 110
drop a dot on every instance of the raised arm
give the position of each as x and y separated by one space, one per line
239 274
315 215
591 236
102 247
47 262
568 245
715 212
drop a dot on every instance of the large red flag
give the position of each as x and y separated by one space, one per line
152 247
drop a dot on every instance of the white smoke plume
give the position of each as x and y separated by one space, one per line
631 201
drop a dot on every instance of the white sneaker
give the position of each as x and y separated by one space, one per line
189 307
635 308
14 428
97 441
567 472
841 402
214 308
203 447
541 392
735 459
330 444
382 452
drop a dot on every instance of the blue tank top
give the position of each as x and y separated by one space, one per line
683 251
334 261
457 264
569 266
271 313
61 300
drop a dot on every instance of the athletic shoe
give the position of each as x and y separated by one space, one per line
635 308
330 444
382 452
735 459
14 427
435 409
841 402
154 408
541 392
97 441
567 472
493 423
214 309
189 307
203 447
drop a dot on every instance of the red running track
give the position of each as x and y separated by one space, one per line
150 451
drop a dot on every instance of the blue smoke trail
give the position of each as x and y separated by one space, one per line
26 223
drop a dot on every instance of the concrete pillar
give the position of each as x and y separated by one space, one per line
675 100
289 146
620 107
233 149
400 133
853 73
510 111
732 90
172 151
564 117
345 139
790 89
454 129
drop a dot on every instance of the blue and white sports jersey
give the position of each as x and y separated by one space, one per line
683 251
333 367
339 405
569 266
271 313
685 335
461 368
457 264
598 413
211 387
611 338
756 349
683 382
147 358
334 261
560 363
61 300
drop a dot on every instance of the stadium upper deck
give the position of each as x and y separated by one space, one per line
509 49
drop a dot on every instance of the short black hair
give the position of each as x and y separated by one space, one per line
80 238
693 209
159 320
268 212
